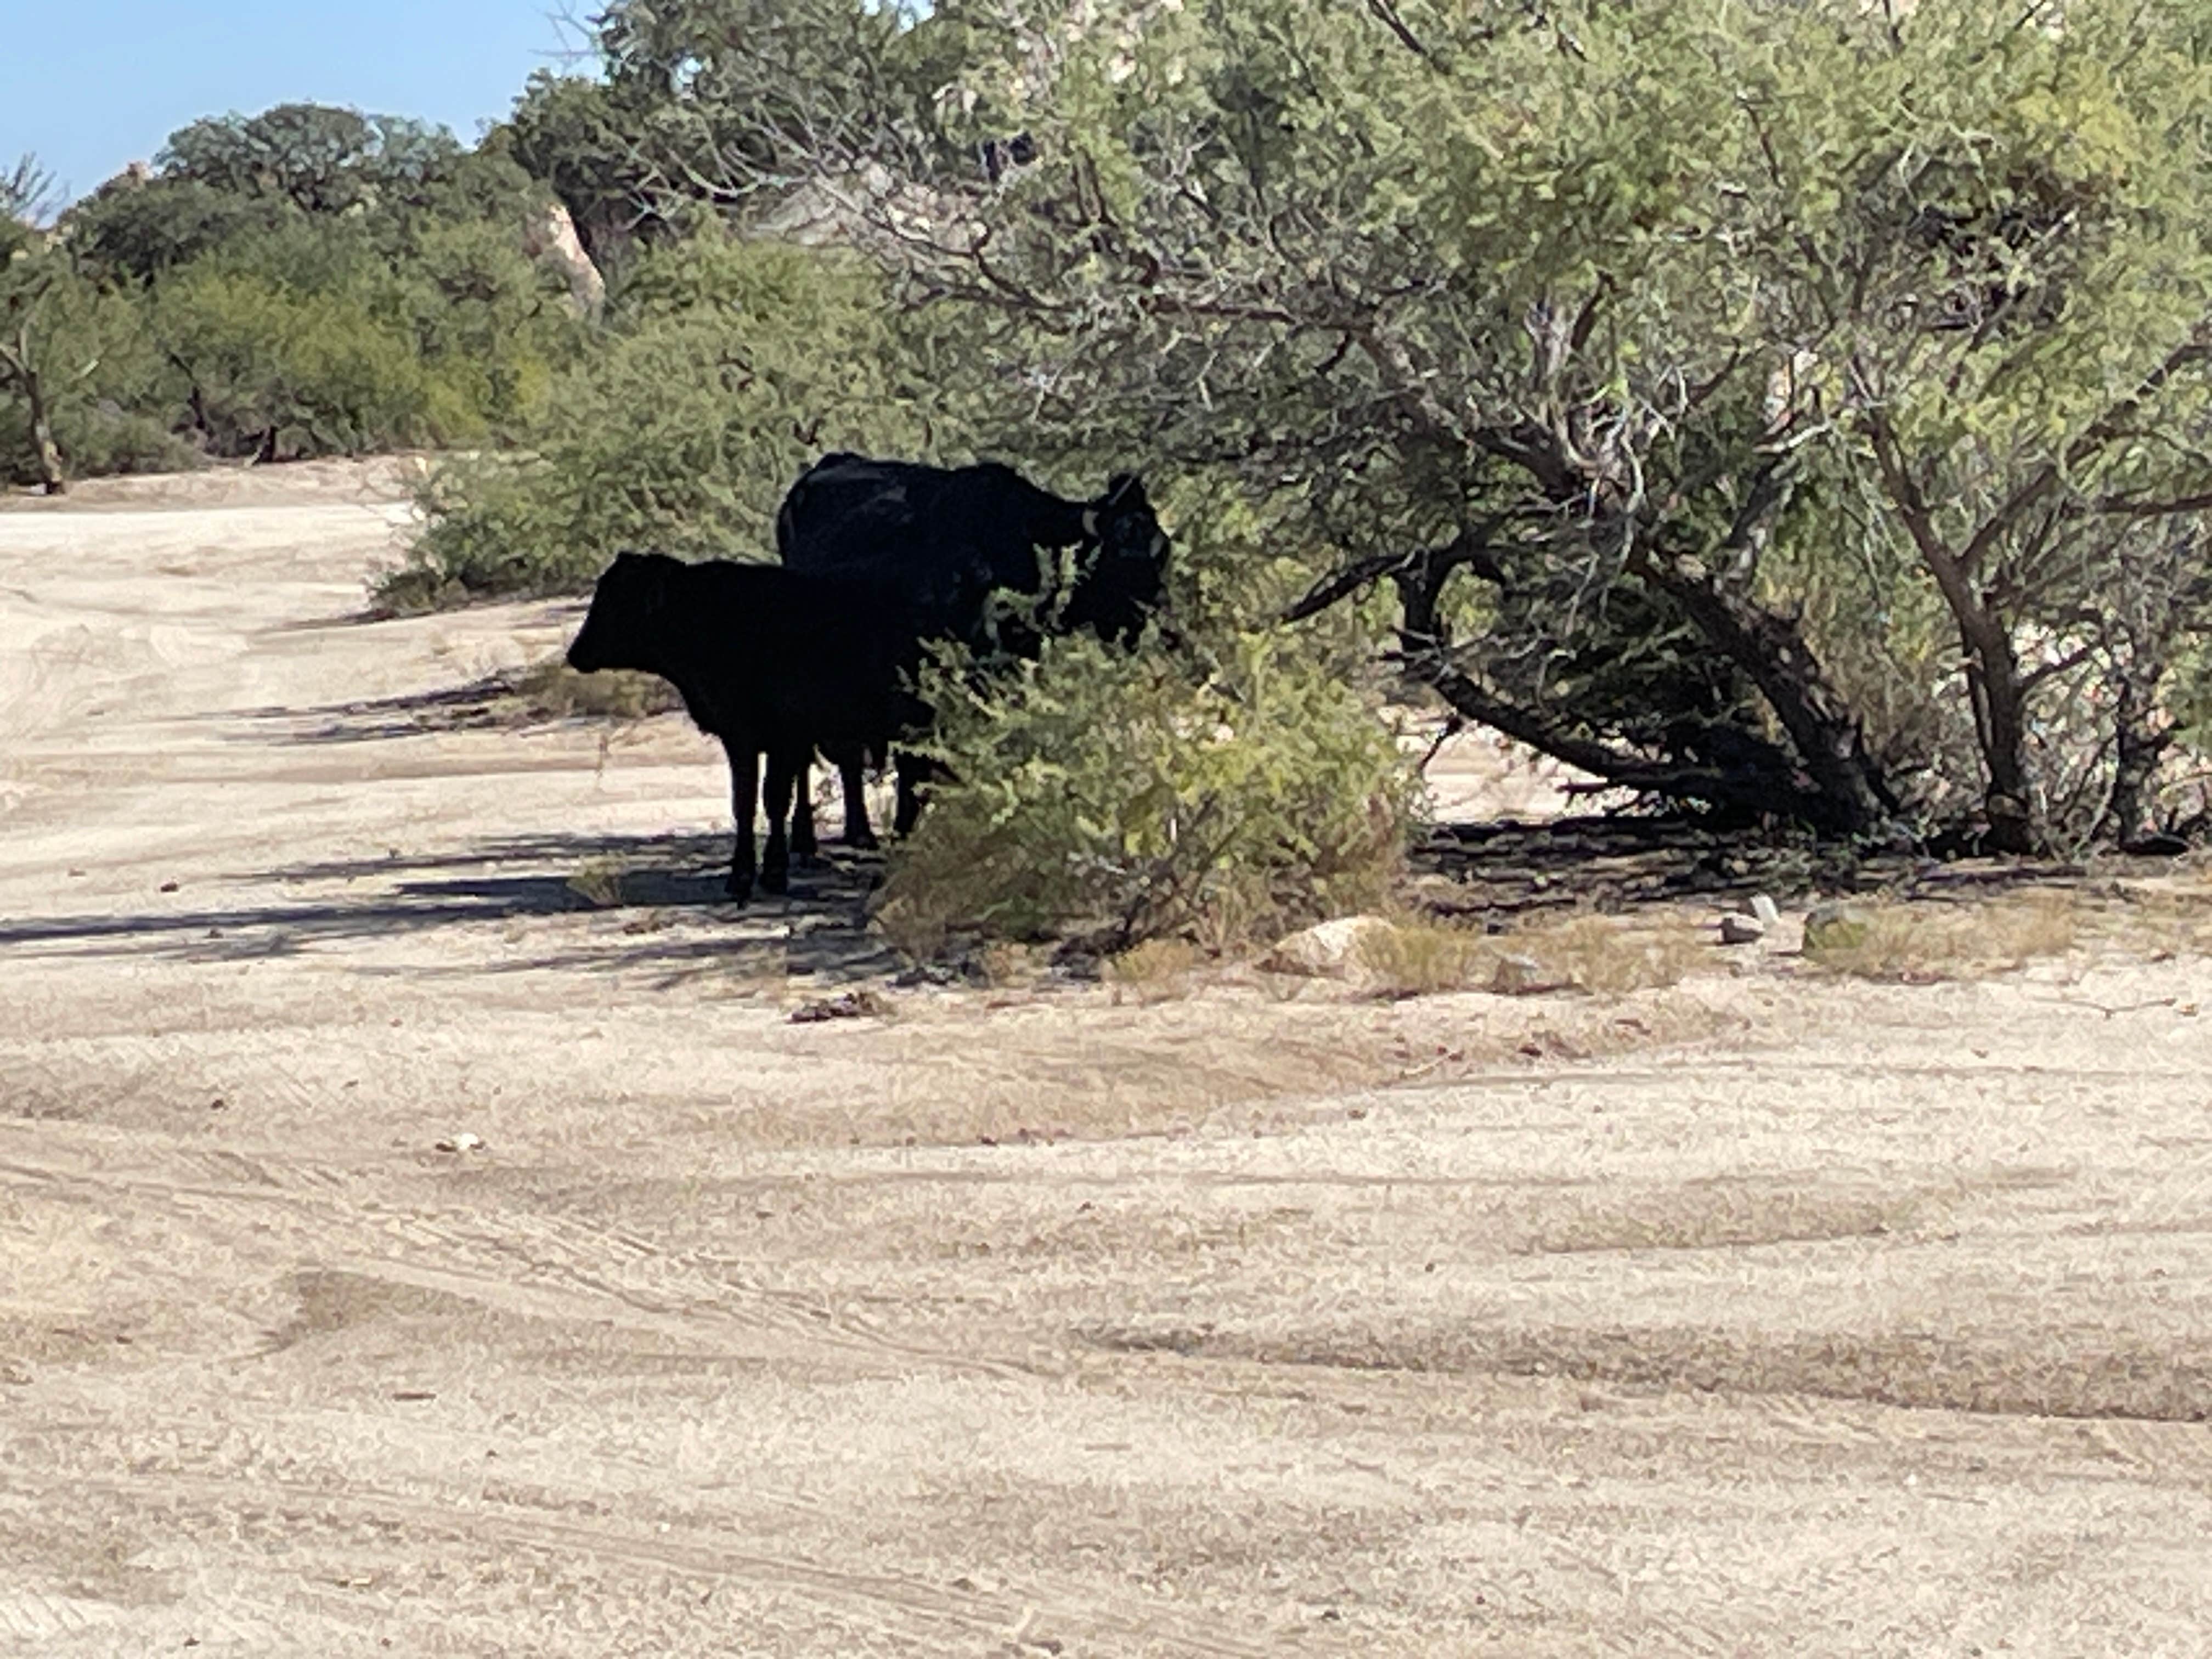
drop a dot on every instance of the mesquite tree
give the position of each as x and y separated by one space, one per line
1794 407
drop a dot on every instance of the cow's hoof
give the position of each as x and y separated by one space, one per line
776 881
738 889
865 841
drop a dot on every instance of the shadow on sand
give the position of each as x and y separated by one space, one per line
637 902
483 705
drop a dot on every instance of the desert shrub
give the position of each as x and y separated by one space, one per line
1127 797
550 688
279 371
730 367
100 368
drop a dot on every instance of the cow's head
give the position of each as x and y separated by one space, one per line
625 626
1123 577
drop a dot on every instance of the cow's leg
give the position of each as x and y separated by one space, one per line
914 772
802 812
744 785
852 773
775 862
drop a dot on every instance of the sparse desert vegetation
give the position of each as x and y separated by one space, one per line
1548 998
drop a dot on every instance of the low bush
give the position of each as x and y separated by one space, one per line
1118 799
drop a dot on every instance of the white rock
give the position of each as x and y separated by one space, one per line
1767 912
1328 950
1742 930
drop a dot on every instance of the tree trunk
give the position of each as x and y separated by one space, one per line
45 454
1993 676
1851 794
1999 697
2141 745
52 478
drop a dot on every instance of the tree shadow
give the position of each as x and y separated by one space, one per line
623 901
1619 863
483 705
1622 863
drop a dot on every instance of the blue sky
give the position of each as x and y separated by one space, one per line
90 85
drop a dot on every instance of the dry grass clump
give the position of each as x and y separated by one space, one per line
1924 942
1414 957
1611 956
2164 919
597 882
1156 968
1601 954
552 690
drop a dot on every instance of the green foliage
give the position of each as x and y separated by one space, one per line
96 366
272 370
320 158
729 366
134 230
308 281
1631 342
1132 796
105 369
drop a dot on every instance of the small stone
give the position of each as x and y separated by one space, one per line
1766 910
168 886
1742 930
853 1005
462 1142
1834 928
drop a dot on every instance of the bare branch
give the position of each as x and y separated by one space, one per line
1387 15
2136 507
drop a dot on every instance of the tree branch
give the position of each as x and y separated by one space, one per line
1468 550
2099 433
1758 791
2136 507
1387 15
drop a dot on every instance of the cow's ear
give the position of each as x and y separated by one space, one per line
1126 491
1090 521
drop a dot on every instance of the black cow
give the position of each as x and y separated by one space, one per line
772 661
942 539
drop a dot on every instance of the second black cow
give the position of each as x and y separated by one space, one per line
774 662
942 539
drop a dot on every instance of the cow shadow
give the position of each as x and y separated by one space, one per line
593 902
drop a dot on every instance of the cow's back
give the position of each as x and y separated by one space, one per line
941 538
848 512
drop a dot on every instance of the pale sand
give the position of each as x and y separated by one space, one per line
1795 1317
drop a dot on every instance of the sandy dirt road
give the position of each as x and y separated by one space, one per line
1761 1316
